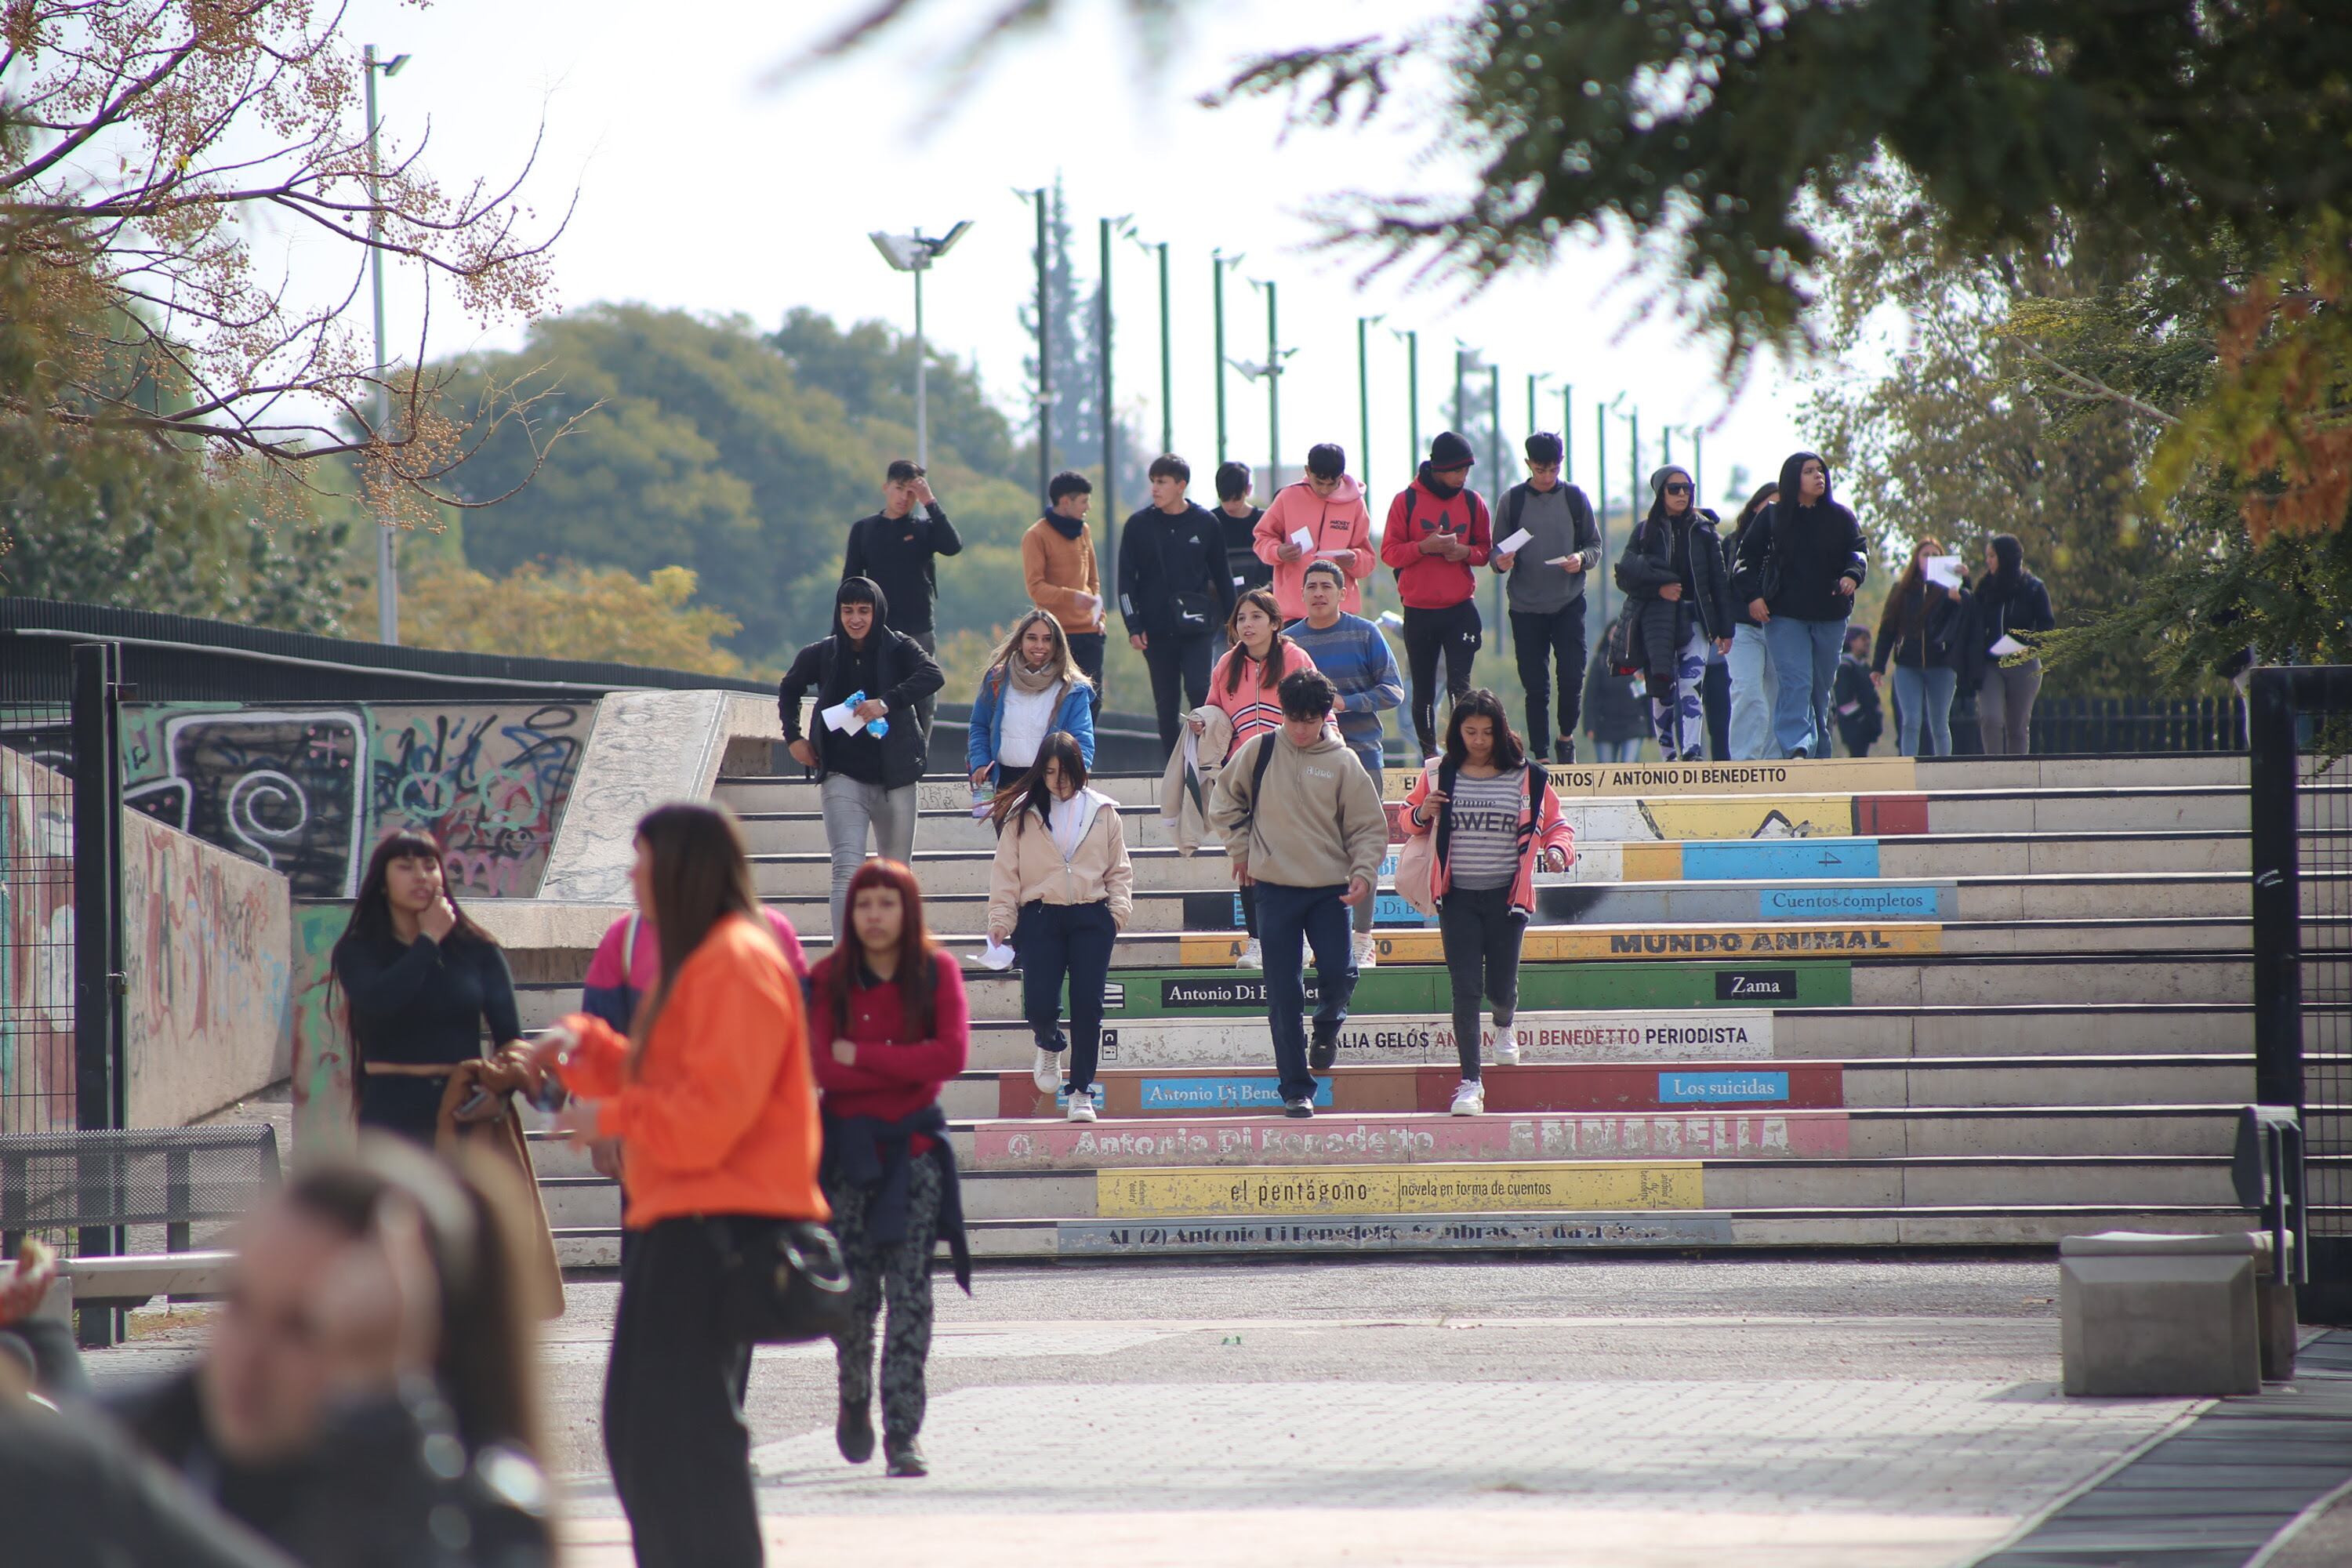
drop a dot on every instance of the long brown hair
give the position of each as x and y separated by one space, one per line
1276 663
1031 789
486 1359
701 875
916 978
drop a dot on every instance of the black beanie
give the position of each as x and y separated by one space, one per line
1326 460
1450 451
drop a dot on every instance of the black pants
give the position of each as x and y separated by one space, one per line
1480 933
1539 638
1179 666
1075 939
1454 630
1086 652
1715 696
674 1431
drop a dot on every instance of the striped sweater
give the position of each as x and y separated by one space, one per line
1355 657
1254 709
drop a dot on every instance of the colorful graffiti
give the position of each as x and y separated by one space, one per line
36 938
321 1044
205 944
308 792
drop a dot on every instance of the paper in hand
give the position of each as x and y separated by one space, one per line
1943 569
1560 560
995 955
1303 539
2007 645
1088 604
1516 542
841 716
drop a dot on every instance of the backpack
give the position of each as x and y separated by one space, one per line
1257 778
1416 872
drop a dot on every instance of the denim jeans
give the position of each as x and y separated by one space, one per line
1629 751
1289 919
1752 692
1075 939
1373 762
1924 694
1800 707
1480 933
851 807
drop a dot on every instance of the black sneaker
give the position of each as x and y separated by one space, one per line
1563 751
1324 1051
906 1457
1299 1109
853 1432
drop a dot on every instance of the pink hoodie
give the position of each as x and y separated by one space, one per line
1339 523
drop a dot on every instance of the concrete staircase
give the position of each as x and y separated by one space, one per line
1992 1002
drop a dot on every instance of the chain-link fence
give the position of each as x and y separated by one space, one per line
37 919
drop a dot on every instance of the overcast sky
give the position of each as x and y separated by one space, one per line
700 188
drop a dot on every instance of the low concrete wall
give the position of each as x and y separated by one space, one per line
205 941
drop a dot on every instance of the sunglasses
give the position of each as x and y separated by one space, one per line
1678 489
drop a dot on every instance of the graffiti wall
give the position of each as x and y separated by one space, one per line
206 936
37 935
309 790
321 1046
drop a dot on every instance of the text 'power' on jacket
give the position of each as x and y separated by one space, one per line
719 1115
1030 868
1339 522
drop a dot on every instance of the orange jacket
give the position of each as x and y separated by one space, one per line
719 1117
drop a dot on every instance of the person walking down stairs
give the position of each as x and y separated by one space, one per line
1497 819
888 1007
1060 892
1302 820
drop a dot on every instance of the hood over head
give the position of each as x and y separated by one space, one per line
860 591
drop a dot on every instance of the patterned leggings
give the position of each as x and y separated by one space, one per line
1679 718
898 1272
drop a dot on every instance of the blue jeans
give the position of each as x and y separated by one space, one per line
1801 709
1373 761
1617 750
1287 920
1752 692
1924 694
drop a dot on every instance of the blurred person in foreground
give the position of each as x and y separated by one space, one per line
712 1101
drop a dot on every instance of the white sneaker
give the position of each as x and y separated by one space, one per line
1368 950
1082 1105
1507 1043
1469 1099
1045 1072
1253 954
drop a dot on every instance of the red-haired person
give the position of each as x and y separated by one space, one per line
886 1009
712 1101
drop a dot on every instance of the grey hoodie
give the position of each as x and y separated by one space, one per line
1318 823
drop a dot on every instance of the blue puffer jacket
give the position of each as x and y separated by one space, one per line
1076 715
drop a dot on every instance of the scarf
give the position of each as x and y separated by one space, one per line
1429 482
1068 527
1029 680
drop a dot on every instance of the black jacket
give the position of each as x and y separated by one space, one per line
1853 688
900 554
1616 708
1173 580
1794 555
898 670
1742 593
1664 550
1922 626
1993 613
1241 549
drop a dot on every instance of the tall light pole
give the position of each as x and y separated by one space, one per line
1535 420
915 253
1364 401
1601 411
1412 342
1274 355
387 565
1044 356
1698 461
1633 462
1568 433
1167 375
1218 264
1494 488
1462 357
1110 425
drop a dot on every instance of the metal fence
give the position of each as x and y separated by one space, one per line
2300 774
37 919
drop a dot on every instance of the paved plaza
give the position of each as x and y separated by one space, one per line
1665 1411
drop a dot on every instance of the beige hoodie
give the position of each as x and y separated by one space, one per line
1030 868
1318 823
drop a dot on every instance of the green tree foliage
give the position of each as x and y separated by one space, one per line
714 449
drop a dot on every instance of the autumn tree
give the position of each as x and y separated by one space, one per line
138 139
573 612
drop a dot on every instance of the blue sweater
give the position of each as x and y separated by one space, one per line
982 737
1355 657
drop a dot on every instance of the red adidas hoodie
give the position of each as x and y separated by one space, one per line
1431 581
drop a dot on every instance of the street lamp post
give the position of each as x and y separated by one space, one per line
1274 358
1698 461
1601 411
1534 419
1412 342
1494 488
387 565
1110 425
1568 433
1167 375
1364 402
1218 262
1044 357
915 253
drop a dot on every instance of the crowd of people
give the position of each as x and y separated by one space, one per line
367 1396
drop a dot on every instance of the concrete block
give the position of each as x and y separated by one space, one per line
2161 1315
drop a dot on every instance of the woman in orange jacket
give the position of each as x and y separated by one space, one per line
712 1099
